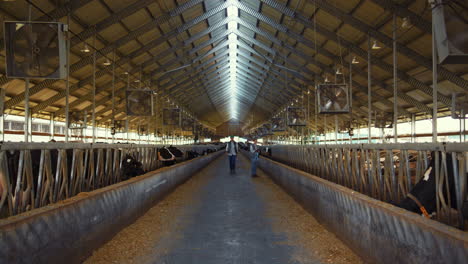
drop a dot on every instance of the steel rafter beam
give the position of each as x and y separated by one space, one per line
387 41
332 35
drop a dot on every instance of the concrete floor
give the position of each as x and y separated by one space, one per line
223 220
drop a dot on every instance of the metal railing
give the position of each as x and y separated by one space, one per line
33 175
385 171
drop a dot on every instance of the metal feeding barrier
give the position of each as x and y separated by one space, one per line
386 172
33 175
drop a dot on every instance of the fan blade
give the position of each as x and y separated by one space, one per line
47 35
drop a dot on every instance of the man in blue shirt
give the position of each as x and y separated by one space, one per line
231 150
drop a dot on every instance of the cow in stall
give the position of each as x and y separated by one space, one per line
422 197
131 167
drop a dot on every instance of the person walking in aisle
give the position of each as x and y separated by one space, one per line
232 149
255 152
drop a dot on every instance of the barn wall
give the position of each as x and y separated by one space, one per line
69 231
377 231
231 127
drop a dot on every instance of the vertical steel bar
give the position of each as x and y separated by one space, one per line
369 88
67 88
2 118
51 126
336 129
94 92
395 78
113 96
26 110
434 85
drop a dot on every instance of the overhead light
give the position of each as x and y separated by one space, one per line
85 48
107 62
376 46
137 81
338 71
355 61
326 79
406 23
126 73
308 91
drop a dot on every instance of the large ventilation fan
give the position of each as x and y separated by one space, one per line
35 50
187 124
333 98
139 103
171 116
383 120
451 31
459 105
77 120
278 124
296 116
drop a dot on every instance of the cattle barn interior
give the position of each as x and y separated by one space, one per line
233 131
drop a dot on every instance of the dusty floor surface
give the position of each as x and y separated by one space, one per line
218 218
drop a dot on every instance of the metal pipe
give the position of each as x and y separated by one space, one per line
413 127
94 92
26 110
434 85
52 129
2 117
395 84
369 87
336 129
113 96
67 88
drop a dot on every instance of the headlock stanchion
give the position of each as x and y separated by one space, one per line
388 172
33 175
377 231
69 231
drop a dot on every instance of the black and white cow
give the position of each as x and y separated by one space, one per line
422 198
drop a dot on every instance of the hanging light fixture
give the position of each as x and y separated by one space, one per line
107 62
375 46
355 61
85 48
338 70
406 22
326 79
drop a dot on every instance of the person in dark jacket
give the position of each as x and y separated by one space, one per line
232 149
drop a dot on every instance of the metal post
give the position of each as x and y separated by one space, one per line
52 126
94 92
369 87
113 95
127 129
395 85
67 89
336 129
26 110
325 127
434 85
413 128
2 117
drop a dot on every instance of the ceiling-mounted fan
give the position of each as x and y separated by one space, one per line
333 98
35 49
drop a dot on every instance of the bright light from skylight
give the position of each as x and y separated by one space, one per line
232 11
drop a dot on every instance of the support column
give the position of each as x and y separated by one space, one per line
26 110
369 88
434 85
395 79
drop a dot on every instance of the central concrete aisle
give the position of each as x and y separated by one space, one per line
219 218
